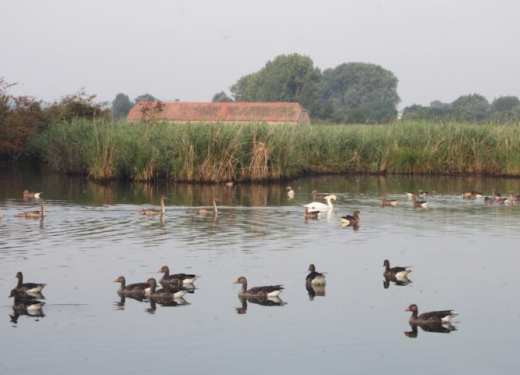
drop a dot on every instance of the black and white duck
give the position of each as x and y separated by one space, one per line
443 317
397 272
30 288
387 202
177 279
351 219
31 194
164 293
419 204
259 291
314 277
471 194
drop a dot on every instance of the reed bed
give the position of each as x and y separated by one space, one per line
146 151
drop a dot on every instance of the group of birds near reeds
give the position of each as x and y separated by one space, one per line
174 286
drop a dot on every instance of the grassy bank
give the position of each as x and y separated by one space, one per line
218 152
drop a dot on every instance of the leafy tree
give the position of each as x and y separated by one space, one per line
221 97
287 78
78 105
20 118
472 107
505 109
121 105
360 92
146 98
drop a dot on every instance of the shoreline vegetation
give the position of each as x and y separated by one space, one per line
254 152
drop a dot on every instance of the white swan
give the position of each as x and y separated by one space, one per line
318 206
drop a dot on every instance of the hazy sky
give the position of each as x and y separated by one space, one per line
438 49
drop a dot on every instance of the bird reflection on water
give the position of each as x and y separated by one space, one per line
264 301
315 290
164 302
403 281
17 313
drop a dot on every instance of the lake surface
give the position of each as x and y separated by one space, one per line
465 256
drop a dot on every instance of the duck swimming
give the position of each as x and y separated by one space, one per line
177 279
137 288
351 219
314 277
387 202
443 317
397 272
259 291
22 287
31 194
34 214
205 212
419 204
153 211
166 292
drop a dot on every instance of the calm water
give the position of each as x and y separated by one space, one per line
465 256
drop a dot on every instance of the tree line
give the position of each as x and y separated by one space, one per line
350 93
467 108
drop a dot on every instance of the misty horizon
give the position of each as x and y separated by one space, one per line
191 50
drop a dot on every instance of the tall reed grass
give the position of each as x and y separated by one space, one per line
145 151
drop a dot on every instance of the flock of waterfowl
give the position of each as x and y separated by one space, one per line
174 286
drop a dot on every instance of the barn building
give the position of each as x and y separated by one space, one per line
233 112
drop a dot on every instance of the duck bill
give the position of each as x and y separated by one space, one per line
407 309
159 270
116 280
235 282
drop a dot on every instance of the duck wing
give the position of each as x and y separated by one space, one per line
177 278
265 289
436 315
396 270
137 287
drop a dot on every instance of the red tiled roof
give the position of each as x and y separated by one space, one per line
225 112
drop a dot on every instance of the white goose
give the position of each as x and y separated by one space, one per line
318 206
